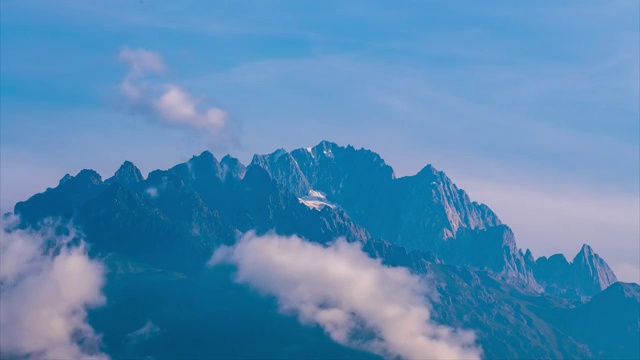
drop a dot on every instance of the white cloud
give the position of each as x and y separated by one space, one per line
152 192
45 293
178 107
358 301
141 61
165 101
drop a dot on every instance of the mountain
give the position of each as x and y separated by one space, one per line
283 168
166 226
425 212
185 211
127 175
63 200
588 274
609 322
232 167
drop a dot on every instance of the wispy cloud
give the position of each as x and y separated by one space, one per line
140 62
46 285
147 332
168 102
358 301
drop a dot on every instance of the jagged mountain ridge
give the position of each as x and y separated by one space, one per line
588 273
174 219
195 201
426 211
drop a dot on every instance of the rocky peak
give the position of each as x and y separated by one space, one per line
430 172
86 177
528 258
587 274
267 160
60 201
232 167
205 156
338 171
284 169
64 179
325 149
586 252
591 272
419 212
277 154
450 208
128 175
205 161
204 167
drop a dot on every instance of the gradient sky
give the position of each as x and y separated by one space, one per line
533 109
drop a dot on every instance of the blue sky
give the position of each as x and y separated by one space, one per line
533 109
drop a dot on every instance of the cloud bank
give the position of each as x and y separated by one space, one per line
167 102
358 301
46 286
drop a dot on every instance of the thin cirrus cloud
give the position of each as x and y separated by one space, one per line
147 332
358 301
167 102
45 295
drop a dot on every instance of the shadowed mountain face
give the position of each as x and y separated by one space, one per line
174 219
587 274
609 322
127 175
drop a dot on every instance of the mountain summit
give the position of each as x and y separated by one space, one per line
591 272
587 274
128 174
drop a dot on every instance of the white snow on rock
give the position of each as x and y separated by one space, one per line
316 200
328 153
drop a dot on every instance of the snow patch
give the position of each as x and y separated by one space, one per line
310 151
316 200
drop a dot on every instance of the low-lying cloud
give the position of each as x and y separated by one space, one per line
46 286
167 102
357 300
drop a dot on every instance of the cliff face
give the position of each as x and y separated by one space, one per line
283 168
